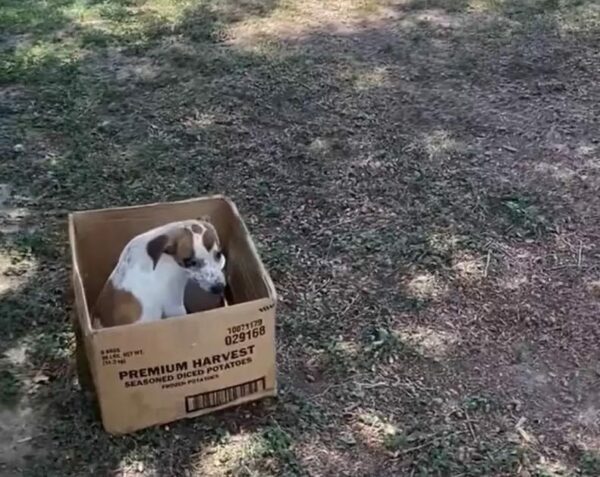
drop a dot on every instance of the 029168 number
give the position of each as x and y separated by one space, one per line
244 336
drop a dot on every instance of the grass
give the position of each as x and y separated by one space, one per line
11 387
590 463
420 176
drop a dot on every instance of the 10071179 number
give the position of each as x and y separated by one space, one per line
243 336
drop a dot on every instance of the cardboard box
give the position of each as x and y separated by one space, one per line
158 372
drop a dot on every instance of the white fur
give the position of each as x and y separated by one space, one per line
160 289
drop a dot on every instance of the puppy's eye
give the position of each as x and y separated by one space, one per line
218 256
189 262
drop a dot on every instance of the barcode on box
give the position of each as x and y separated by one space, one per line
223 396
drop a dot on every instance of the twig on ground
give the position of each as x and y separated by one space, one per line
487 263
470 426
314 292
562 267
371 385
345 310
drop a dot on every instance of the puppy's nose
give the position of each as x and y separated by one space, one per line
217 289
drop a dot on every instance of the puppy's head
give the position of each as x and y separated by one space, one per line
196 248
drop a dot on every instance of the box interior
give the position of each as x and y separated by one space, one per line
101 235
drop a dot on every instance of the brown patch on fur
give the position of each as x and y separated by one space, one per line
115 307
210 237
156 247
197 229
179 244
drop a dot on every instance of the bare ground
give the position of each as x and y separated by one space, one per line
422 178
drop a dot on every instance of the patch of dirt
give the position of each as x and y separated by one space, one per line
16 439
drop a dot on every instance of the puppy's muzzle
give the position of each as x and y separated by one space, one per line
217 288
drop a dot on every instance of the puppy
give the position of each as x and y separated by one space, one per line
149 280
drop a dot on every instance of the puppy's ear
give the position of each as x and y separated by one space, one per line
159 245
